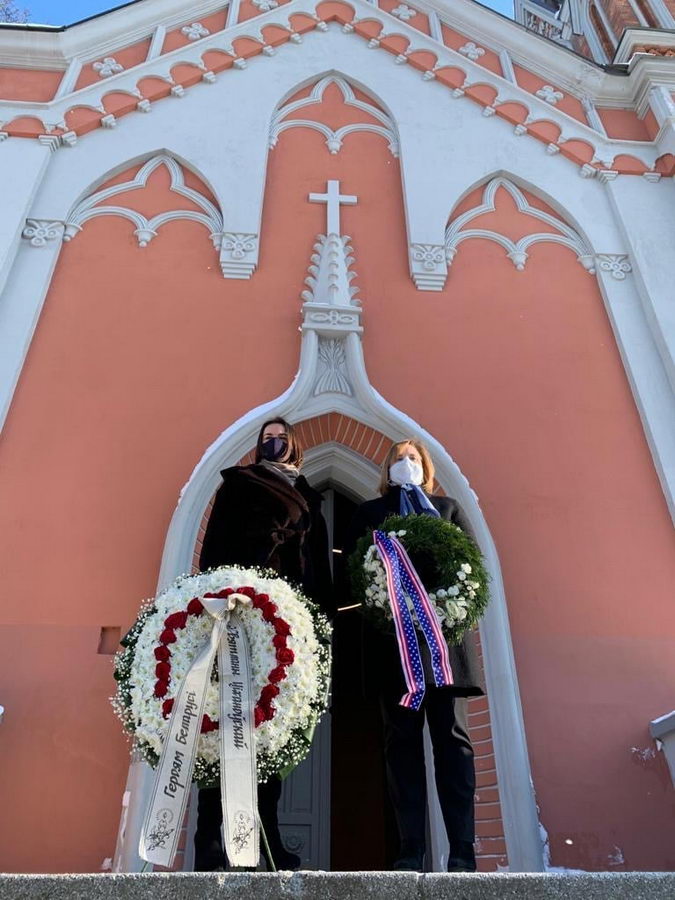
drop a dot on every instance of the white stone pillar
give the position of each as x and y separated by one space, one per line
22 166
22 300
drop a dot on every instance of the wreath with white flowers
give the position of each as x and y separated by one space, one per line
289 642
449 564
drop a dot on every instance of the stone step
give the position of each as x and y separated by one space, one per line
340 886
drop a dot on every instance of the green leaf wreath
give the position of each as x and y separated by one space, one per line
450 566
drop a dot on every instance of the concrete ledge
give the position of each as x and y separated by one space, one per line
339 886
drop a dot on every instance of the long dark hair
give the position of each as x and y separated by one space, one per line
295 452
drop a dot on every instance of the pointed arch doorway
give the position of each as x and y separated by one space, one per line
349 425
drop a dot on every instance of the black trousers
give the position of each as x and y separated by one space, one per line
209 852
453 763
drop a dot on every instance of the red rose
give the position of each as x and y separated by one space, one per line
270 712
167 706
269 612
262 599
176 620
163 671
246 591
277 675
208 724
268 693
161 687
195 607
259 716
279 641
282 627
167 636
162 653
224 593
285 656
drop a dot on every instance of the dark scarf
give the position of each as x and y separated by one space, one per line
413 501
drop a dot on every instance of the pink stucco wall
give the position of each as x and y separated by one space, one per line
142 357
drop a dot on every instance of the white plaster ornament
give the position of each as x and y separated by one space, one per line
107 67
195 31
403 12
472 51
550 94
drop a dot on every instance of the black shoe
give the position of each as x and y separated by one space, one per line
209 856
411 857
285 860
462 857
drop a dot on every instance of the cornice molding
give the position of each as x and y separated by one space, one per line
118 28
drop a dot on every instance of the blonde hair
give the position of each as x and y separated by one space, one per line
427 465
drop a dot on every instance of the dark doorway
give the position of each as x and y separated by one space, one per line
362 831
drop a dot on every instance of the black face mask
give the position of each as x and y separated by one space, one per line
274 448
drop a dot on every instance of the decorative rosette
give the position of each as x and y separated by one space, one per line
289 641
448 562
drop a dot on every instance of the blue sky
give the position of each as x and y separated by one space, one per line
63 12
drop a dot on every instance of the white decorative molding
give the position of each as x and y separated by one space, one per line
428 266
330 305
515 250
51 141
472 51
146 229
238 254
195 31
40 231
265 5
107 67
338 365
617 264
332 375
334 138
550 94
404 12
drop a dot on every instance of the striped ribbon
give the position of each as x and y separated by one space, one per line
402 580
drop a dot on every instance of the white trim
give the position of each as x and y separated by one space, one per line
639 15
611 35
662 13
146 229
300 402
515 250
157 42
70 76
334 139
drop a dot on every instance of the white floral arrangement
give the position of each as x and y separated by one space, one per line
289 642
454 577
451 603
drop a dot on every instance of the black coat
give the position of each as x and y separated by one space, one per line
381 656
260 519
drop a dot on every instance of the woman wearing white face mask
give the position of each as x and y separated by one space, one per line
406 485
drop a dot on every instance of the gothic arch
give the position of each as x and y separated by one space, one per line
523 184
459 226
355 414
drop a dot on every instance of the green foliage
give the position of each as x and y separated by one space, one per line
437 549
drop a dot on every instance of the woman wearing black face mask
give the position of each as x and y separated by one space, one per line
265 515
406 485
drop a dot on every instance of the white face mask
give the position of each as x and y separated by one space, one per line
406 471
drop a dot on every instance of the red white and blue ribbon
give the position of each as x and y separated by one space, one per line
402 580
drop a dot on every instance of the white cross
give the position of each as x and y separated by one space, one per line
333 198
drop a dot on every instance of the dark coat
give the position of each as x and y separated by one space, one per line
381 656
260 519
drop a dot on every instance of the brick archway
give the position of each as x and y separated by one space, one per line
372 445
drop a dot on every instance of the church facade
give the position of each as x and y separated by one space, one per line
380 220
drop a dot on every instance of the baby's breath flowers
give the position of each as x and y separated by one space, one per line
289 642
449 563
